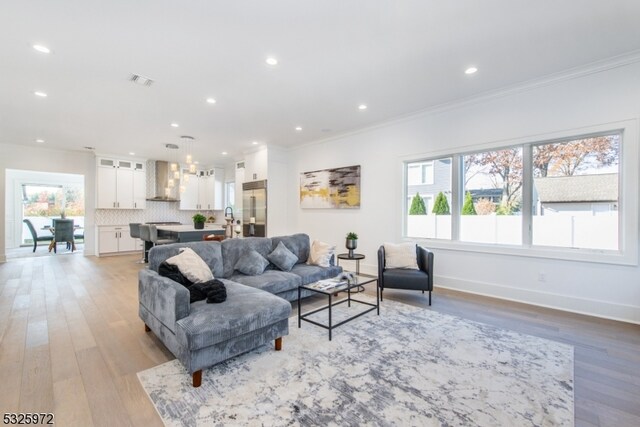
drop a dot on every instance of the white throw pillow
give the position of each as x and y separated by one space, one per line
191 266
401 255
320 254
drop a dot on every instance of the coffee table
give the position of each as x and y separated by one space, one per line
330 293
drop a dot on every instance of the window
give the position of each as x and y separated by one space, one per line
41 203
420 173
230 194
490 212
564 193
575 193
429 198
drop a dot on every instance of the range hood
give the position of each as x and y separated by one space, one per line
162 176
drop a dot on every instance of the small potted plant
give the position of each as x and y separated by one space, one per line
351 242
198 221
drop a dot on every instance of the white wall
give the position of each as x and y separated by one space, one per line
566 105
46 160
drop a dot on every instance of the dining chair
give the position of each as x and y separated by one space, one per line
63 232
34 234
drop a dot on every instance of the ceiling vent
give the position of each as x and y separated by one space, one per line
140 80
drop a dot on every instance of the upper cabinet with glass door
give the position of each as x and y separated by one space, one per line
120 184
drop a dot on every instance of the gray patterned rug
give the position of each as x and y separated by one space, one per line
407 367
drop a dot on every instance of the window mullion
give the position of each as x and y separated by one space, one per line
456 195
527 194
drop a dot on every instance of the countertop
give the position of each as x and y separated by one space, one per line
185 228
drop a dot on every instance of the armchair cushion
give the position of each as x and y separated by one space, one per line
404 278
401 255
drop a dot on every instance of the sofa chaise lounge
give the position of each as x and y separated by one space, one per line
255 312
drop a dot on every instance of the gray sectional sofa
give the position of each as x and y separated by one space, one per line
256 310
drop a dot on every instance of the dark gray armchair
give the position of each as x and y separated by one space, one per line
405 278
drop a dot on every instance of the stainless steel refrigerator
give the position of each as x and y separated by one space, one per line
254 206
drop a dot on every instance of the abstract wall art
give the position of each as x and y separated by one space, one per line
337 188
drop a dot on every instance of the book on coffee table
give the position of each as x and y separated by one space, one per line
327 284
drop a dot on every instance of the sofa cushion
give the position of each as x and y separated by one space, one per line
245 310
321 254
251 263
210 252
272 281
282 257
234 249
191 266
402 255
298 244
313 273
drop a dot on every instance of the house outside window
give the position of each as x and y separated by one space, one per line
575 193
420 173
429 178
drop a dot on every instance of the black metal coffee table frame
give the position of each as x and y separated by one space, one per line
360 281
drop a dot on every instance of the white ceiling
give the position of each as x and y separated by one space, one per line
396 56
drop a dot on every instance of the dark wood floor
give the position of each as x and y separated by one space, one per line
71 343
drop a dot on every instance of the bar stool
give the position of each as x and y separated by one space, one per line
145 235
134 232
153 234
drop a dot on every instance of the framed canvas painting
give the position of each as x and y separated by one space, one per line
337 188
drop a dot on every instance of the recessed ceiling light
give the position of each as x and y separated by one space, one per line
211 101
41 48
298 128
40 141
470 70
362 107
271 61
224 153
255 143
175 125
195 162
40 94
131 153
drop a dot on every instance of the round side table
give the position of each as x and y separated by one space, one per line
356 258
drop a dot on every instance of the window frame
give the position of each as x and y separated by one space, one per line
628 197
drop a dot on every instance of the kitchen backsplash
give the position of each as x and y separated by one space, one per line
154 212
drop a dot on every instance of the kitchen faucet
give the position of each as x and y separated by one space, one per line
230 209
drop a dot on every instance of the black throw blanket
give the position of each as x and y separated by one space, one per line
213 291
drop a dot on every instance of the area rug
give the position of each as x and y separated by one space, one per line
407 367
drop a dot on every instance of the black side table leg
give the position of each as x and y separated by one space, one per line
330 317
299 318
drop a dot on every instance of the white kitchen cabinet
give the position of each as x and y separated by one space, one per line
204 191
139 189
115 238
255 166
121 184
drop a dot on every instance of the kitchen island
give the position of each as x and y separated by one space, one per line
187 233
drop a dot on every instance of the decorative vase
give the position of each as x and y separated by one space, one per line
198 225
351 244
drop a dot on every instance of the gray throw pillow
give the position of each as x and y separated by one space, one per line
282 257
251 263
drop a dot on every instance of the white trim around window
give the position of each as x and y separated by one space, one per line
628 199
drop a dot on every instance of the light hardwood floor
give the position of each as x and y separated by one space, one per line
71 343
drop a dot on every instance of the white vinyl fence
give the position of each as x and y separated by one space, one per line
587 232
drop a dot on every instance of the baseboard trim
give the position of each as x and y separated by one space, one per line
589 307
